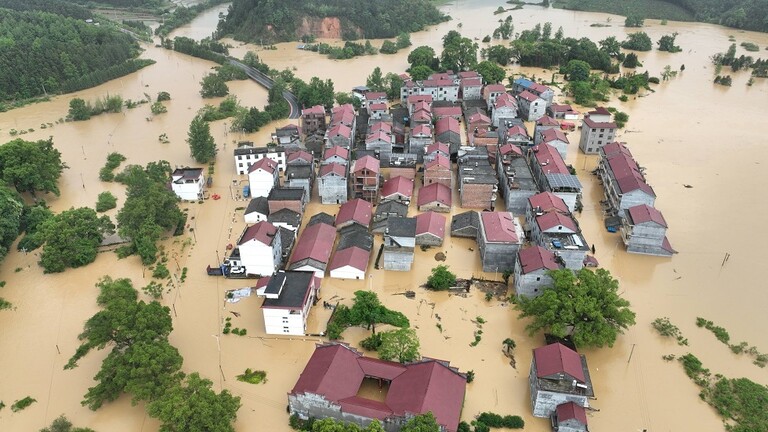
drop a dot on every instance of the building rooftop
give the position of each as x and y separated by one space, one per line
554 134
333 169
356 210
465 224
286 216
430 223
644 213
571 411
340 129
298 172
369 163
352 256
499 227
549 159
401 226
390 208
315 110
554 219
321 217
336 151
556 359
435 192
315 243
264 164
258 205
422 129
547 202
437 147
355 235
263 232
530 97
286 194
299 156
537 258
292 287
398 185
447 124
181 174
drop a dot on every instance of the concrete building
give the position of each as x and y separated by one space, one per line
335 154
569 417
436 148
560 233
399 243
286 218
339 135
397 189
257 210
430 229
597 130
478 183
558 375
565 112
516 182
378 111
330 382
557 139
300 177
453 111
504 107
287 137
448 131
289 198
366 179
246 155
188 183
420 137
313 249
520 85
435 197
438 170
356 211
312 119
532 271
288 297
263 176
471 89
379 142
440 89
384 211
530 106
349 263
552 175
624 183
258 250
322 217
644 231
499 237
491 92
544 202
543 124
464 225
332 183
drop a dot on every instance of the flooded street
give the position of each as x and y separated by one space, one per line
689 131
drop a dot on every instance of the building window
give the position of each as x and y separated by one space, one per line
602 130
600 136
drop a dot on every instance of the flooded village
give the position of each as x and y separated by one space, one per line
484 179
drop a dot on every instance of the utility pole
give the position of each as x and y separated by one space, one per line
630 353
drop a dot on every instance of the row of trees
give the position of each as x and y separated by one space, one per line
143 363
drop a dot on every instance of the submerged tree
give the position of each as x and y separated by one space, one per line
201 143
368 310
71 238
31 166
400 345
585 305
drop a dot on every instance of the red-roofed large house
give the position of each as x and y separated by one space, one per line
335 154
420 137
440 88
430 229
644 231
356 211
438 170
623 180
332 384
505 107
558 375
544 202
570 417
397 189
532 271
559 232
491 92
339 135
562 112
288 297
552 174
258 250
597 130
556 138
313 249
332 183
349 263
263 176
453 111
448 130
499 237
379 141
471 88
435 197
531 106
365 178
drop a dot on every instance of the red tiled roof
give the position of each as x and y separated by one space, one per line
538 88
381 126
611 149
317 109
421 116
412 99
667 246
397 185
431 223
552 219
537 258
263 282
340 130
547 121
549 159
263 232
602 125
332 168
422 106
336 151
354 257
547 202
440 161
300 154
315 242
557 358
343 108
493 88
439 76
468 74
336 372
438 83
265 164
471 82
571 411
517 130
422 129
367 162
357 210
554 134
499 227
510 148
447 124
435 192
375 95
437 147
479 118
379 136
561 108
627 174
453 111
600 111
378 107
530 97
644 213
505 100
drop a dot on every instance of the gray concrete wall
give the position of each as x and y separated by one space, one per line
398 259
532 284
497 257
332 190
428 240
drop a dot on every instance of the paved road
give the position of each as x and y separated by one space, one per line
267 83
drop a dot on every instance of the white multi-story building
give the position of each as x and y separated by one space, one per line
288 298
187 183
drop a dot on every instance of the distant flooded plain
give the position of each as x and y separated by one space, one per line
688 132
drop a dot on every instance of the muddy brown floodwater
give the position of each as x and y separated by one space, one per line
688 131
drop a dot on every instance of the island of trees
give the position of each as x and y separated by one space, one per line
276 21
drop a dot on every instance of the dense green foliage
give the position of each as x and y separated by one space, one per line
491 72
71 238
585 305
11 210
44 53
667 43
316 92
274 21
421 423
22 403
31 166
201 144
441 278
423 56
400 345
212 86
366 310
253 376
62 424
498 421
459 53
114 159
32 220
535 47
150 208
728 58
205 49
639 41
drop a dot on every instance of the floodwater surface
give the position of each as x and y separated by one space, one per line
688 132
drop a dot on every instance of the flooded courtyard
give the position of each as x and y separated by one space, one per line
688 132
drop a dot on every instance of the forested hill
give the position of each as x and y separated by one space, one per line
42 52
282 20
741 14
52 6
123 3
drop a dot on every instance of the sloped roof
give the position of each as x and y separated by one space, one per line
332 168
378 136
549 159
538 88
493 88
336 151
315 242
644 213
537 258
258 205
265 164
397 185
367 162
510 148
611 149
357 210
547 202
354 257
627 174
375 95
340 130
378 107
381 126
571 411
321 217
505 100
263 232
530 97
517 130
440 161
447 124
446 111
479 117
561 108
435 192
412 99
437 147
421 129
299 155
317 109
557 358
554 134
499 227
553 219
430 223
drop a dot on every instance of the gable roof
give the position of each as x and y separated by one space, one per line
381 126
499 227
258 205
333 168
549 159
340 130
430 223
627 173
422 129
435 192
644 213
299 155
547 202
262 232
447 124
317 109
510 148
397 185
493 88
571 411
354 257
264 164
530 97
537 258
336 151
401 226
505 100
553 219
479 117
378 136
315 243
367 162
286 194
447 111
321 217
438 161
356 210
554 134
437 147
557 358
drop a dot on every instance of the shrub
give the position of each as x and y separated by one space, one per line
158 108
163 96
371 343
22 403
470 376
253 377
106 201
154 290
114 160
161 272
441 278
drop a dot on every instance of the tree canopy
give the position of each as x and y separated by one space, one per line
71 238
532 49
441 278
367 309
213 85
459 53
11 210
31 166
585 305
421 423
316 92
62 424
400 345
423 56
638 41
201 144
491 72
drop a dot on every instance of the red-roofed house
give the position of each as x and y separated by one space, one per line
491 92
552 174
258 250
350 263
447 130
597 130
312 119
356 211
560 233
543 124
624 184
435 197
541 203
366 178
438 170
339 135
477 121
558 375
372 98
570 417
379 141
329 386
420 137
335 154
332 183
313 249
397 189
499 238
531 106
440 89
532 271
436 148
453 111
263 176
562 112
430 229
644 231
505 107
556 138
471 88
288 297
377 111
415 99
